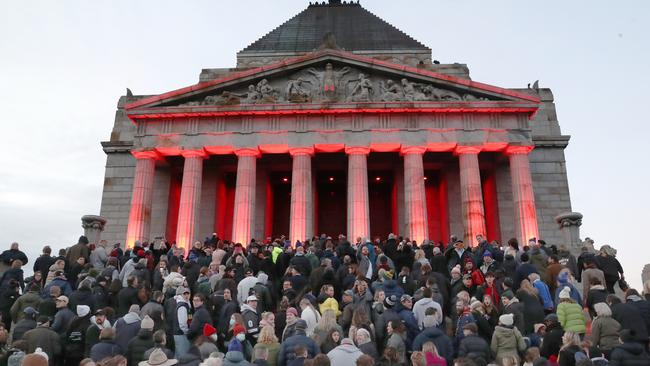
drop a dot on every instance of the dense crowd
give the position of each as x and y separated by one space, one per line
321 302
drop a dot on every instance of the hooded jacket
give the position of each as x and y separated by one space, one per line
420 308
235 358
138 345
126 328
288 346
441 340
507 341
344 355
629 354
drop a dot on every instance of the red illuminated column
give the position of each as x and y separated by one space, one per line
142 197
522 192
190 202
301 222
244 211
358 208
414 194
471 193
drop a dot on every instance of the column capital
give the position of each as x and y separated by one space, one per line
301 151
146 154
248 151
514 150
199 153
413 150
459 150
357 150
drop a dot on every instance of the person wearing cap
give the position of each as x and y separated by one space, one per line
345 354
182 318
299 338
507 341
28 322
44 337
474 346
251 318
141 343
63 315
98 322
75 341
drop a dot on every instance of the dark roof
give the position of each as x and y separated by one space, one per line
354 28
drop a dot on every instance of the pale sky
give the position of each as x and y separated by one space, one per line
64 64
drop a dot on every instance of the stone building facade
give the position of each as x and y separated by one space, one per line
326 128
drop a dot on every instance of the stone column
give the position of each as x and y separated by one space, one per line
244 211
301 222
523 197
570 223
190 201
93 226
358 208
142 197
417 223
471 193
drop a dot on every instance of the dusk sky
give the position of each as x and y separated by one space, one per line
64 65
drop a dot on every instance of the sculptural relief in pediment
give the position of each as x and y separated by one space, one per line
329 84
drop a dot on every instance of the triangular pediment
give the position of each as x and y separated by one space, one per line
329 77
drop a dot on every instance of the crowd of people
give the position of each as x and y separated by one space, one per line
321 302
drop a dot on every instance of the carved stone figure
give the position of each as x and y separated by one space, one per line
440 94
267 92
329 80
472 98
362 90
390 92
252 96
226 98
411 92
295 92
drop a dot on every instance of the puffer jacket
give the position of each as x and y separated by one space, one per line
507 342
329 303
629 354
604 332
235 358
571 317
344 355
475 347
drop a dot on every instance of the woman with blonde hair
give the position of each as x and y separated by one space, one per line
432 356
267 340
605 329
325 325
267 318
533 309
570 346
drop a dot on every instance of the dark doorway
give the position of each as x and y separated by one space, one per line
280 183
436 193
331 202
381 205
225 204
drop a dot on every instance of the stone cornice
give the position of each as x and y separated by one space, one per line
117 146
561 141
357 150
301 151
459 150
518 150
198 153
146 154
248 152
406 150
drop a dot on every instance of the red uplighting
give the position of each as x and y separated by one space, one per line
285 179
331 179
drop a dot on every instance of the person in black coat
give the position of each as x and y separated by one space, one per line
632 297
430 333
553 338
106 347
8 296
26 324
128 296
44 262
628 316
8 256
631 352
13 273
596 294
473 346
200 317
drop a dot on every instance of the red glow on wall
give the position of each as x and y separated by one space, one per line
225 205
173 205
491 203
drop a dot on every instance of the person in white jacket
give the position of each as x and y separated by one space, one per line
310 315
421 306
245 285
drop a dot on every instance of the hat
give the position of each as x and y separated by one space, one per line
146 323
235 346
487 253
292 311
563 277
182 290
507 319
538 326
551 317
348 293
209 330
83 310
456 269
83 240
251 298
158 358
134 309
390 301
63 298
565 293
30 311
238 328
301 325
475 305
140 253
471 327
405 297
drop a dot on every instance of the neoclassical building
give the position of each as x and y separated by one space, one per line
335 122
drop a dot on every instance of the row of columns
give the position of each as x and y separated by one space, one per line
358 218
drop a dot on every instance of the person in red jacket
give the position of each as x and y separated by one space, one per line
471 269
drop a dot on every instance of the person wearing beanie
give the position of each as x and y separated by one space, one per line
387 316
511 305
287 350
456 283
489 263
570 314
235 354
141 343
75 340
564 280
290 327
507 341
